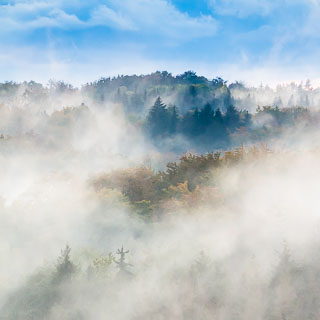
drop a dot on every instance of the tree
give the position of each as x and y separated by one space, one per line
246 119
158 119
193 91
205 117
218 82
65 267
232 118
216 133
122 265
174 119
101 265
190 123
218 119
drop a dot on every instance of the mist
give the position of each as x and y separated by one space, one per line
101 217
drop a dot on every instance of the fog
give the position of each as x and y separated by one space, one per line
244 244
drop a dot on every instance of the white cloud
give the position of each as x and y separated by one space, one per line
159 17
243 8
26 16
105 16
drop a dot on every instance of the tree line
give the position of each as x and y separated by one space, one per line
215 128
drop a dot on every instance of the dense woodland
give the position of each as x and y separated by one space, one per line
168 195
216 129
185 183
176 113
186 91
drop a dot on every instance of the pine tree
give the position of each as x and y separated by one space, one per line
158 119
190 123
205 117
217 131
65 267
174 119
232 118
218 116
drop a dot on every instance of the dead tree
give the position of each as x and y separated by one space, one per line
121 264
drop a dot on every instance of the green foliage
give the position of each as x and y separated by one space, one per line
102 264
144 209
158 119
204 114
206 126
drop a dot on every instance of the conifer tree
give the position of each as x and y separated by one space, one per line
65 267
158 119
174 119
205 117
232 118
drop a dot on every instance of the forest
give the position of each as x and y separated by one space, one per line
159 197
159 160
176 113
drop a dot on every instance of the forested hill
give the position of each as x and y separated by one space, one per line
185 91
176 113
138 92
188 90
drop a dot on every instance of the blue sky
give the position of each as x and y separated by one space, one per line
266 41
